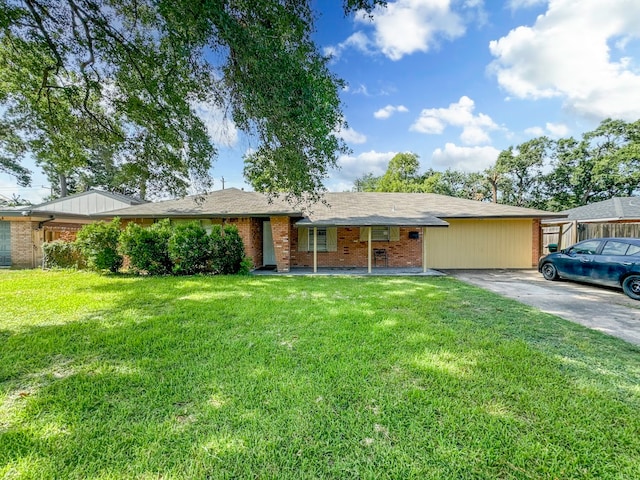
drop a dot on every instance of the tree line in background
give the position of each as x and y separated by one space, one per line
540 173
161 249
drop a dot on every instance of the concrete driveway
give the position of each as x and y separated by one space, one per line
604 309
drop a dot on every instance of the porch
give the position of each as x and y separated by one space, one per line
354 271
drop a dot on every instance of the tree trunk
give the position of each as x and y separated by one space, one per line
64 191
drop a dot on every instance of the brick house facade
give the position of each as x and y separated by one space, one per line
348 230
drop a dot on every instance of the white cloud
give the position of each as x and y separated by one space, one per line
360 89
535 131
358 41
389 110
568 54
352 167
221 129
557 130
553 130
475 128
466 159
349 135
408 26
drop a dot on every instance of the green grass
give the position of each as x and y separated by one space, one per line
304 377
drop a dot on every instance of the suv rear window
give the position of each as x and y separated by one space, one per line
615 248
633 250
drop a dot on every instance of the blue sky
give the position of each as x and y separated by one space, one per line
458 81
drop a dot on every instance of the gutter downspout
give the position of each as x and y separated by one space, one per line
50 219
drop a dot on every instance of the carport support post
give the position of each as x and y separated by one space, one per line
369 250
424 249
315 249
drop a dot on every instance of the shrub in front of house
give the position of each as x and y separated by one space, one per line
227 249
148 248
98 242
61 254
189 249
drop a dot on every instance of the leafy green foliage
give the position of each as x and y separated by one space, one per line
190 249
98 242
401 175
61 254
246 266
120 83
605 163
305 377
522 172
148 248
227 249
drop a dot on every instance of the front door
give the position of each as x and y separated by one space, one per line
5 244
268 252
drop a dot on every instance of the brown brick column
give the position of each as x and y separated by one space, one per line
250 230
281 231
23 254
536 242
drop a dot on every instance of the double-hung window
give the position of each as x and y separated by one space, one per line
327 238
322 239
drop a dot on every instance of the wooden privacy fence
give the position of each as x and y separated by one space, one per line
573 232
551 234
600 230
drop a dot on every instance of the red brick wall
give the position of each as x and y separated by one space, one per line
282 230
250 230
353 253
61 231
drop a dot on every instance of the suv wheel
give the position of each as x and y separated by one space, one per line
549 271
631 286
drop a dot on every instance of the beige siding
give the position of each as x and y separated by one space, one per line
480 244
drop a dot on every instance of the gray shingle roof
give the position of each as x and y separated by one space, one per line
617 208
347 208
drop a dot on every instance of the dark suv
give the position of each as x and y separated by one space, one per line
606 261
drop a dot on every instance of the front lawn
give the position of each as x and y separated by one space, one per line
304 377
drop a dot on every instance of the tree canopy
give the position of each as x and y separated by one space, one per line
108 91
540 173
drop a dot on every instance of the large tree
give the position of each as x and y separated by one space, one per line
83 77
401 175
604 163
521 169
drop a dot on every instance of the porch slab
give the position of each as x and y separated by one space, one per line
355 271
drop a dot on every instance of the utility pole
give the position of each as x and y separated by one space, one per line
223 183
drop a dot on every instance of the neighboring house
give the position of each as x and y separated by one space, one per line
364 229
24 229
616 217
